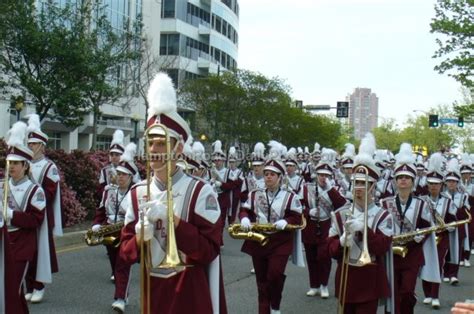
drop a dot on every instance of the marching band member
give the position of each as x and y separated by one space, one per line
420 181
236 176
319 199
27 226
440 205
293 181
45 173
362 295
409 214
347 161
468 186
280 207
385 182
461 201
199 288
254 180
314 157
112 211
202 170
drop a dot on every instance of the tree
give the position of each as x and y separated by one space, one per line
454 20
42 57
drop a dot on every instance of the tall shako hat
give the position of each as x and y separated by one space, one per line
258 155
348 156
199 155
35 135
273 162
17 150
218 154
290 159
300 152
116 146
364 159
452 170
466 163
435 168
327 162
126 164
380 158
317 149
405 162
306 151
419 162
163 109
187 158
232 154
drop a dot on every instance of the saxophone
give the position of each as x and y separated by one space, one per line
106 235
260 232
401 240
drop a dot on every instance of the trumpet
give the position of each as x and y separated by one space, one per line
260 232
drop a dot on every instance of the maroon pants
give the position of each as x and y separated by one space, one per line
404 287
269 273
121 271
369 307
20 270
450 269
431 289
319 266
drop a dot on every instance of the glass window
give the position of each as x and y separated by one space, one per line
54 141
168 8
103 142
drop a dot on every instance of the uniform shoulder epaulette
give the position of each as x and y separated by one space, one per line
141 183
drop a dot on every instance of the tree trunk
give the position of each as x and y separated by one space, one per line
94 127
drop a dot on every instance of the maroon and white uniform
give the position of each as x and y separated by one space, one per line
460 200
315 235
269 261
112 209
235 176
250 183
442 207
9 300
469 188
362 295
294 183
420 186
407 218
224 190
45 173
28 233
196 289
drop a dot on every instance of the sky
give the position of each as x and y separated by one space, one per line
324 49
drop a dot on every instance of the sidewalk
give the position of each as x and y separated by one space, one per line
72 236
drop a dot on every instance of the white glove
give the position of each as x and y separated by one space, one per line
156 210
148 229
418 238
96 228
313 212
347 239
352 225
245 224
451 229
280 224
9 214
218 184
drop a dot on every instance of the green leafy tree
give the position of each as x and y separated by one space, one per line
42 57
454 21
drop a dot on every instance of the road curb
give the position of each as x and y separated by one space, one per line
69 239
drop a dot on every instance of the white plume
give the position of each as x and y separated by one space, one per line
275 149
316 147
198 151
291 153
129 153
306 150
161 95
419 159
117 137
217 145
380 155
366 150
435 163
453 165
405 155
16 136
259 149
466 160
300 150
232 150
34 123
283 150
187 149
350 151
328 155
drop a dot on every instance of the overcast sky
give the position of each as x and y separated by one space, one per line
326 48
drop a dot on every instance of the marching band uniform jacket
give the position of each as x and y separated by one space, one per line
249 184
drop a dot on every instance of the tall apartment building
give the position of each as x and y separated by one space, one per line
363 111
191 38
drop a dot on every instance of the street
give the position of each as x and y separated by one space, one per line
83 286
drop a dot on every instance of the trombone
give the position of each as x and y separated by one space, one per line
364 258
6 188
172 259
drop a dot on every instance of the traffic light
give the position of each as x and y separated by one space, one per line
461 122
433 121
